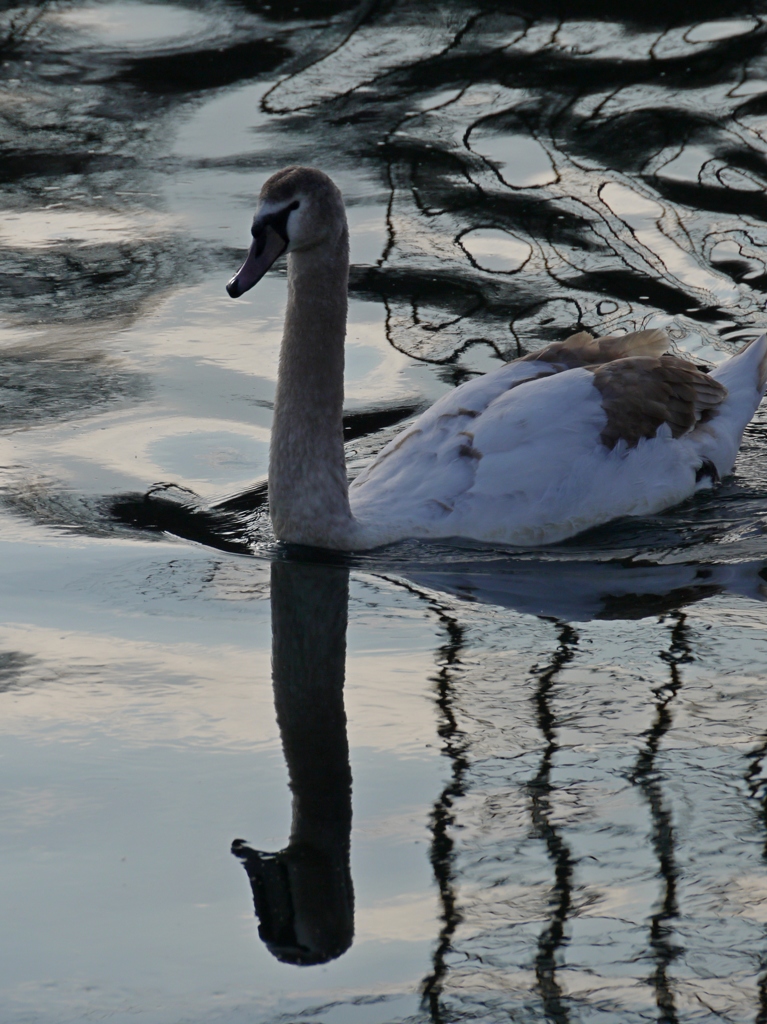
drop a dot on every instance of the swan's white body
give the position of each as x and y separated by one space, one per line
531 453
516 463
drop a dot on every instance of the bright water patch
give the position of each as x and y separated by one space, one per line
521 162
496 251
214 457
128 25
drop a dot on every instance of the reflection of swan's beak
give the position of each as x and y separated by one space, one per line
303 900
267 246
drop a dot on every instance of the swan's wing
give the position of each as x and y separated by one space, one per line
546 457
449 416
640 394
444 421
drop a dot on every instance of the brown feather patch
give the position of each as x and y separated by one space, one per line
641 393
584 350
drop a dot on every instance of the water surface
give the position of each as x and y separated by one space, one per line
435 783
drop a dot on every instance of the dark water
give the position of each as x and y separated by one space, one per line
455 784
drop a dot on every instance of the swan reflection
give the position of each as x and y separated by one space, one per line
303 895
580 591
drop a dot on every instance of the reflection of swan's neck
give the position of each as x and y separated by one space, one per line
308 491
309 612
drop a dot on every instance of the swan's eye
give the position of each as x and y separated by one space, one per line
277 221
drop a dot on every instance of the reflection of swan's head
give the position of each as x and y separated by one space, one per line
304 901
299 209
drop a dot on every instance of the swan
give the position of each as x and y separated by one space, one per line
551 444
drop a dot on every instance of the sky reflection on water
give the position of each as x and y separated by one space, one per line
558 807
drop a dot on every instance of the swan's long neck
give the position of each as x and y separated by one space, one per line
308 490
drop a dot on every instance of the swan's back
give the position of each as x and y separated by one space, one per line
546 446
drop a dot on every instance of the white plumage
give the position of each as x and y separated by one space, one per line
525 465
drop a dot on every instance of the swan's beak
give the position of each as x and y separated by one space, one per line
267 247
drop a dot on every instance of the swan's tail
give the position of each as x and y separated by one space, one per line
745 377
746 369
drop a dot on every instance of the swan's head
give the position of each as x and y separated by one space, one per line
299 208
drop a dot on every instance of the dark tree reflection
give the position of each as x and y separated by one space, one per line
757 786
443 817
553 937
649 779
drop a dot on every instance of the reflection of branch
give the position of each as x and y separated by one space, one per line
455 747
758 789
365 10
761 1016
552 938
757 784
450 360
391 234
647 778
21 23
